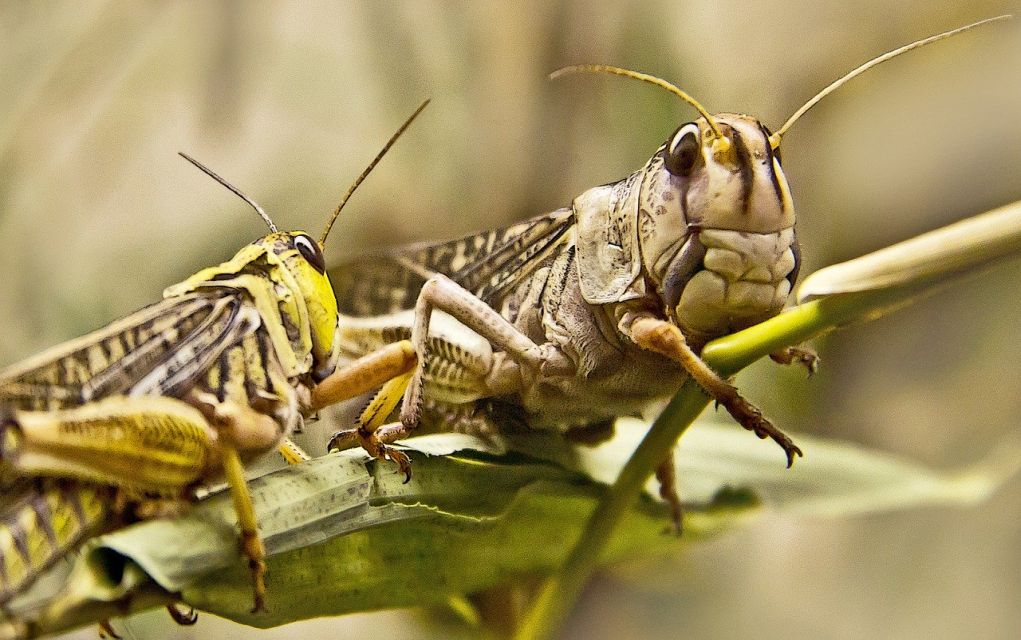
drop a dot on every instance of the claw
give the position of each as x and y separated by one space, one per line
792 451
802 356
399 458
375 444
789 448
752 419
106 630
185 618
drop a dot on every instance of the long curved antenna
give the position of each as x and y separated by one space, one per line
644 77
368 169
209 172
774 140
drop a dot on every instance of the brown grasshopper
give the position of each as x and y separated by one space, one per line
596 310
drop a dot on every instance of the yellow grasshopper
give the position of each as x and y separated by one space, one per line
183 392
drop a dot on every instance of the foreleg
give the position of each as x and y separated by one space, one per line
364 374
371 433
666 339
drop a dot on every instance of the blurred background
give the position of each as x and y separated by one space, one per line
289 101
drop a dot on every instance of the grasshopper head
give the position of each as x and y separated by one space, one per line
302 256
717 225
715 222
737 185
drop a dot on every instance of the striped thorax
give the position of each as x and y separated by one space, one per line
161 401
147 409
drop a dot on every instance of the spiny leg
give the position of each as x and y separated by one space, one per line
240 427
370 433
442 293
251 543
364 374
666 339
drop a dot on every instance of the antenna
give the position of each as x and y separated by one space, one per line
368 169
644 77
774 140
212 174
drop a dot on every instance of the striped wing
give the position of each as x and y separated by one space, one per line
160 349
489 264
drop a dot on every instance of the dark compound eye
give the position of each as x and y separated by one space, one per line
684 150
309 249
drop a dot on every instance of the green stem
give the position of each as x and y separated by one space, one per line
558 595
727 355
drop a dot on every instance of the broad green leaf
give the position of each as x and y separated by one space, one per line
834 479
345 535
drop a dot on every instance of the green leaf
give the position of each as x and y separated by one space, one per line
345 535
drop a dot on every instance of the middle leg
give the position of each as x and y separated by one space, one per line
443 294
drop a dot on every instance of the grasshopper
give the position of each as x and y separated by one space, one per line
133 418
575 317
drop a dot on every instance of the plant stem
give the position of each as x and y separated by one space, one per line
727 355
559 594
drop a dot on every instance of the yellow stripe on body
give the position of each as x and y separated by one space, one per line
274 297
50 520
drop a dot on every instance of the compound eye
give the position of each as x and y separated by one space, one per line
309 249
684 150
